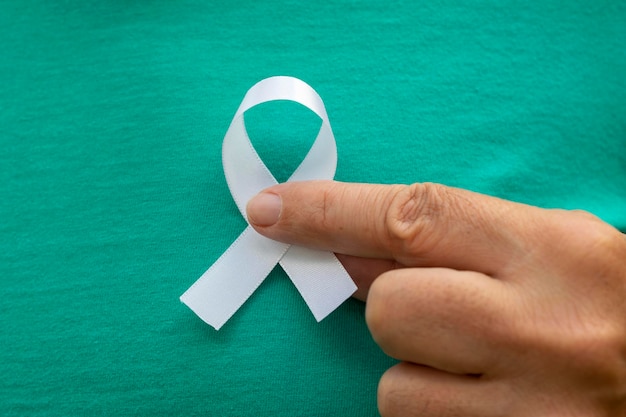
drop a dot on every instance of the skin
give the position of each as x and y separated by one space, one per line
494 308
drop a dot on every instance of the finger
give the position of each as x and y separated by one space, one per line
417 225
364 271
449 320
408 390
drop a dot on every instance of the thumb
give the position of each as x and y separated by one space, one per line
416 225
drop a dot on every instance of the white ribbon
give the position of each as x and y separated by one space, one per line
319 276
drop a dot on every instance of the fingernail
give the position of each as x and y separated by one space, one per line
264 209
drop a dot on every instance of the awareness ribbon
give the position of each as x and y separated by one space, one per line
230 281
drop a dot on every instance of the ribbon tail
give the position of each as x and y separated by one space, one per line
232 279
319 277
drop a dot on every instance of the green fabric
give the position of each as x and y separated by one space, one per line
113 199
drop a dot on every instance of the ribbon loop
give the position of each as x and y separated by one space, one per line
230 281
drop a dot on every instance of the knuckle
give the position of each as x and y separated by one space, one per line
403 393
389 396
584 214
598 356
319 211
385 390
590 352
388 312
414 217
605 240
596 249
377 308
586 231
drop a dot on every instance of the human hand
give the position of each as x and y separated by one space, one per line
495 308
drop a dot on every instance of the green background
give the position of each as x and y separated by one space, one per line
113 201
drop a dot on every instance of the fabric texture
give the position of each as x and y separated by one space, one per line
113 199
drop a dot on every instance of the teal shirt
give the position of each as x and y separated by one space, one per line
113 200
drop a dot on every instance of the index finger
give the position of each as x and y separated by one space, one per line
415 225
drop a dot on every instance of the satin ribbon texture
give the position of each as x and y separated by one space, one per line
230 281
